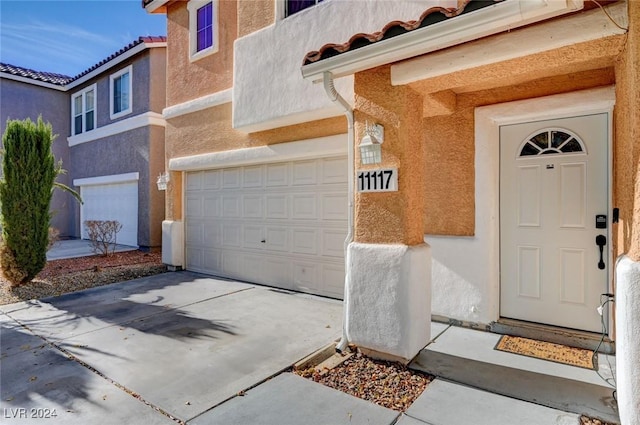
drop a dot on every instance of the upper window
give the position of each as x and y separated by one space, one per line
83 110
203 28
552 141
120 93
295 6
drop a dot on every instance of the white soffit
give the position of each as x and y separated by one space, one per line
587 26
500 17
279 152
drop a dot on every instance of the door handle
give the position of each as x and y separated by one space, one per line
601 241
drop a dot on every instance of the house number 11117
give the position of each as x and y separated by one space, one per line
381 180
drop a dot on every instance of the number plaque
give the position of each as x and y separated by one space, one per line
381 180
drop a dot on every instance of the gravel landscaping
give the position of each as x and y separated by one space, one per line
387 384
74 274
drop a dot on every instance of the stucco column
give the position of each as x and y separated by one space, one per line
389 265
627 232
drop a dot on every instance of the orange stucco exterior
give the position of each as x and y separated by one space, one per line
254 15
627 140
187 80
391 217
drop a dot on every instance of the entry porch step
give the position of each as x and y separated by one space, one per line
468 357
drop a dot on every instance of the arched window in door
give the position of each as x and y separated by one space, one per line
551 141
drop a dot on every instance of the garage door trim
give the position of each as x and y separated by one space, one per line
321 147
114 178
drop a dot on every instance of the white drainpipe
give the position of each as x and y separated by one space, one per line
335 97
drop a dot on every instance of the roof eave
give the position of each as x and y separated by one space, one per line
156 6
115 61
491 20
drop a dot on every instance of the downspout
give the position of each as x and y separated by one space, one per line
335 97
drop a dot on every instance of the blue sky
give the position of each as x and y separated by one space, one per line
67 37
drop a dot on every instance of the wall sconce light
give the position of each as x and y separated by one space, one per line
163 179
370 149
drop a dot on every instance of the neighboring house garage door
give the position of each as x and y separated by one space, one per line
112 201
280 224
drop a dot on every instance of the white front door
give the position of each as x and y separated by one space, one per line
553 185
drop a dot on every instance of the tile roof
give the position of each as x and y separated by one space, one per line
61 80
47 77
140 40
430 16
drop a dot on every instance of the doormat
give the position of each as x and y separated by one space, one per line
547 351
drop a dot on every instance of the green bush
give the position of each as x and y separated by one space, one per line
29 171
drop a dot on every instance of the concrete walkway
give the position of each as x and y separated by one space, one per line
73 248
186 348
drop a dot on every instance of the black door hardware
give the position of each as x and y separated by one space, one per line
601 241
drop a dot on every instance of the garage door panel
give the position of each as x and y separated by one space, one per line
231 236
333 243
305 241
252 206
277 239
276 206
231 206
252 176
211 206
333 279
253 236
231 264
195 233
194 207
334 206
305 173
211 179
299 210
194 181
231 178
211 234
305 276
194 259
333 170
277 175
304 206
277 272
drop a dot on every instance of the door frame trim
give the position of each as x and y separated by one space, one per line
488 120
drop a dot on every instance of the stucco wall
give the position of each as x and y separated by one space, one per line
130 152
391 217
278 50
627 134
157 79
254 15
20 101
210 130
189 80
155 211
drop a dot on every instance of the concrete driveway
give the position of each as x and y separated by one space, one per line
168 346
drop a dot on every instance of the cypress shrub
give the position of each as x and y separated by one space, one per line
29 170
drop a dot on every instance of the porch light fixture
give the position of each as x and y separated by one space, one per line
163 179
370 149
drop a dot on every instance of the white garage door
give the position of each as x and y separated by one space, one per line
116 201
280 224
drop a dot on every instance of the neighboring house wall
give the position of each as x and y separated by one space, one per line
130 151
136 146
17 102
